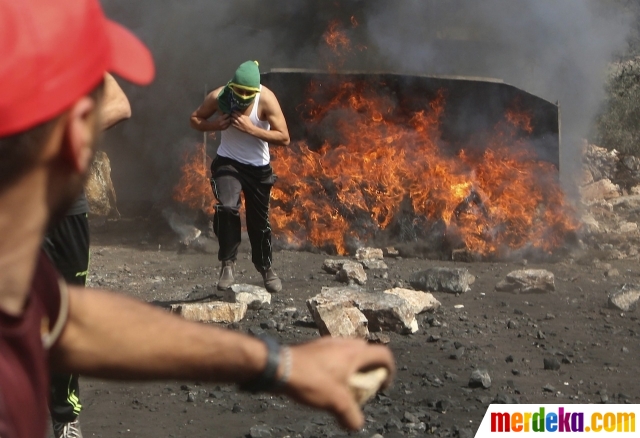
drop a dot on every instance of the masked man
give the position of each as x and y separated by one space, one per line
250 118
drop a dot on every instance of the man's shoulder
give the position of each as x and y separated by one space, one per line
266 91
269 98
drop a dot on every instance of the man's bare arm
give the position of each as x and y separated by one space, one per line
110 335
278 134
115 105
200 117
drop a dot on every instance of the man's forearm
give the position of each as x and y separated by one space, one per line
203 125
276 138
110 335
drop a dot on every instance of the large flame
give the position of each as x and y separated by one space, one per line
379 168
194 188
495 198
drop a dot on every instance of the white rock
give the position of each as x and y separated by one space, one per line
590 224
603 189
528 281
255 297
352 272
333 266
627 227
216 311
369 254
344 322
383 311
373 264
625 299
419 301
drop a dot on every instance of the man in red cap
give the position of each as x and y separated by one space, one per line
67 245
53 57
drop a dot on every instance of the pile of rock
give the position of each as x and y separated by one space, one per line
352 312
353 272
610 191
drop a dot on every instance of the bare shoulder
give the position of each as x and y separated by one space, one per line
269 98
213 95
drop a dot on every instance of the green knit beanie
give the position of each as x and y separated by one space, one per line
247 76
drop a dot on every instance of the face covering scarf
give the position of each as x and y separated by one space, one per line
246 79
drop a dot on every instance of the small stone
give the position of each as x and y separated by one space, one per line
211 312
453 280
527 281
373 264
390 251
369 254
512 324
625 299
268 325
480 379
255 297
612 273
548 388
352 272
259 432
442 406
379 338
503 399
509 359
333 266
551 364
457 355
410 418
191 397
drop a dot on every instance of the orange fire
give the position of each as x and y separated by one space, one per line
495 201
194 189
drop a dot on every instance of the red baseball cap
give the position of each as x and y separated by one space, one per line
52 52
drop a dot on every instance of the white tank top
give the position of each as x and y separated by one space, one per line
243 147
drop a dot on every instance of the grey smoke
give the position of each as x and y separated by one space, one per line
557 49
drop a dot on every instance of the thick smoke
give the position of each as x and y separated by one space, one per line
558 50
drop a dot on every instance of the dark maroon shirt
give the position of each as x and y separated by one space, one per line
24 368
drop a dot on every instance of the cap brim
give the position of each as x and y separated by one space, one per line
129 57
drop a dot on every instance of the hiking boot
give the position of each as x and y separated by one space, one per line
67 430
226 275
271 281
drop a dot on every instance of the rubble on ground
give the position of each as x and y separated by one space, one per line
420 301
528 281
211 312
383 311
255 297
369 254
454 280
352 272
625 299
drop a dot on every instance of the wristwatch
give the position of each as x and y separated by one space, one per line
267 380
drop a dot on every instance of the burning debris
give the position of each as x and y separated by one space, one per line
372 167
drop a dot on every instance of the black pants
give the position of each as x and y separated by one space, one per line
229 178
67 245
